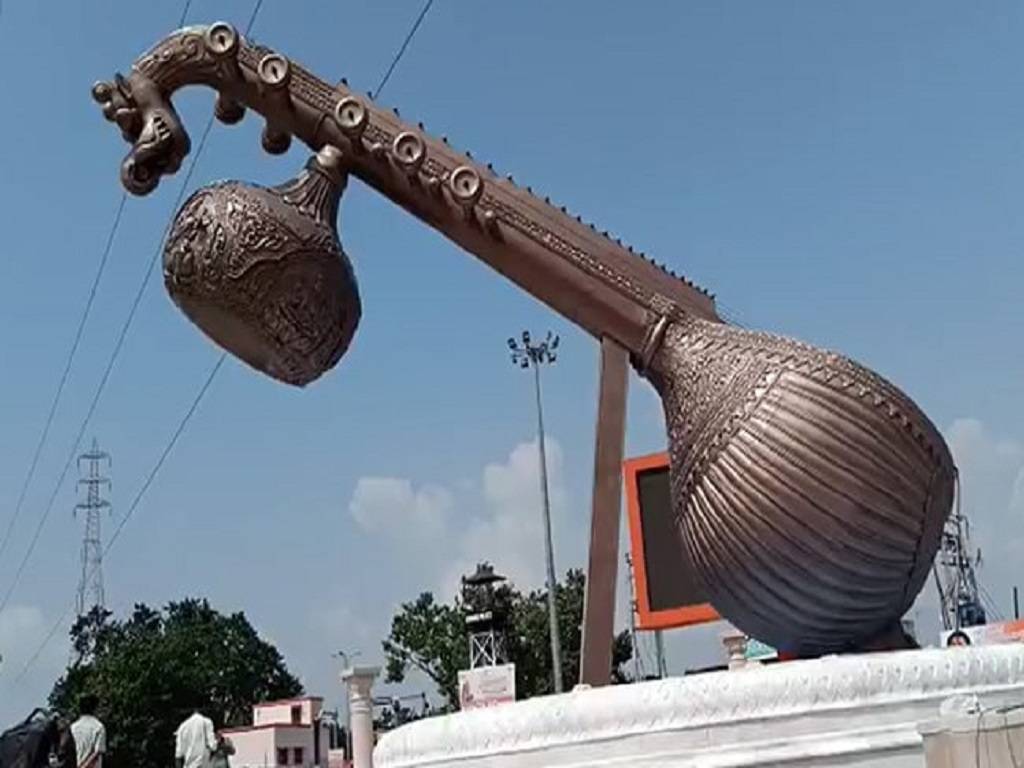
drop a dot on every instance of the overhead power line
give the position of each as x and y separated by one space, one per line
184 13
252 17
111 362
64 375
131 509
207 382
44 434
74 346
119 344
401 51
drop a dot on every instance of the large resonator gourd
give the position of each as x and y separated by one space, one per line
262 273
810 494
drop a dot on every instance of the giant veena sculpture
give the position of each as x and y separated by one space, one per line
809 492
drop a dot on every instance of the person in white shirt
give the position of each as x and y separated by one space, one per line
89 734
194 742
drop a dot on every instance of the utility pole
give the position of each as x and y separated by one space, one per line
638 663
90 585
532 355
659 644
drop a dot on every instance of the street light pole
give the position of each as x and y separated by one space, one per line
525 356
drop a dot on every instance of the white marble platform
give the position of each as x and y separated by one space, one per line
852 711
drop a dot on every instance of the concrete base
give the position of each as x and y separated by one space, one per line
861 711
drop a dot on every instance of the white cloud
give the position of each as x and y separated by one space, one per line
392 506
975 448
509 532
510 485
496 518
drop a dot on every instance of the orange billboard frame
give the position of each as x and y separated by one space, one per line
647 618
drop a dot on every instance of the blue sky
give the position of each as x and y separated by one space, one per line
849 174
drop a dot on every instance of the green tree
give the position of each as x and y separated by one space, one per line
152 669
431 637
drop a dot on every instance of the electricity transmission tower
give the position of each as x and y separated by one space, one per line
90 586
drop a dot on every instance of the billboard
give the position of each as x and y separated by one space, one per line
487 686
667 591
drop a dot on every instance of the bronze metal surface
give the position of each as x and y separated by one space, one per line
812 490
603 558
262 273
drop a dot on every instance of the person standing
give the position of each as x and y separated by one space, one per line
62 744
958 638
194 742
223 751
89 734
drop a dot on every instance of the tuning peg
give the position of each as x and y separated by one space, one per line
227 110
275 142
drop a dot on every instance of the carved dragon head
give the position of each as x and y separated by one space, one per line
150 122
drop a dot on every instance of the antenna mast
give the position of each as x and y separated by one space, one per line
90 585
955 578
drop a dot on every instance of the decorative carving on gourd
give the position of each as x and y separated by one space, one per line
810 494
261 271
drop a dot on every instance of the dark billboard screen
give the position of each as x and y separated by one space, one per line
668 593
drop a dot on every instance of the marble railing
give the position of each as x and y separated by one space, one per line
820 712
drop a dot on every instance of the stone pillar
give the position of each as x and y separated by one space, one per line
360 707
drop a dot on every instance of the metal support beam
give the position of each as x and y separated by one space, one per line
603 562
